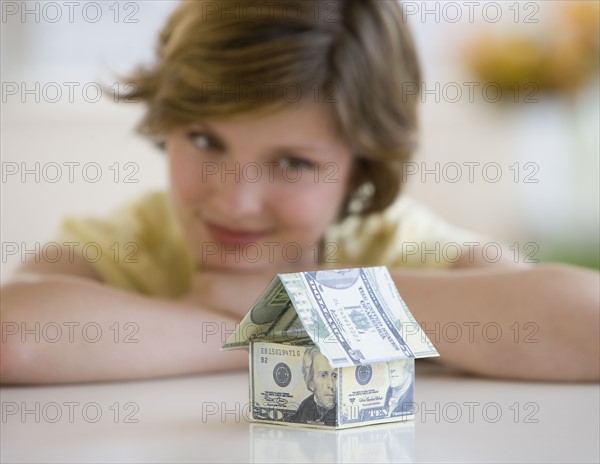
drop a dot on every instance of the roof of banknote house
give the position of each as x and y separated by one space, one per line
354 316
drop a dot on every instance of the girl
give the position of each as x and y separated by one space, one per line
286 128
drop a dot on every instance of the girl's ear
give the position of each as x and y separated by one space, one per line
357 174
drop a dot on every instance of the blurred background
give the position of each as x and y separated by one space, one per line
509 143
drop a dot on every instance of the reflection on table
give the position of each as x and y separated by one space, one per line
205 419
393 442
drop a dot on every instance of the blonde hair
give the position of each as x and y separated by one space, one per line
217 59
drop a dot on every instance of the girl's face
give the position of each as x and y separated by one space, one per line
259 191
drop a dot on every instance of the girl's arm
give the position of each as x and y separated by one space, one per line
530 322
540 322
64 328
61 323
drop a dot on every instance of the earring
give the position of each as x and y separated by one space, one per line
360 197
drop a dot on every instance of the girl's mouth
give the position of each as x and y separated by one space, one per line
228 235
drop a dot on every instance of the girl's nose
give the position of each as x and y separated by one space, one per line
237 195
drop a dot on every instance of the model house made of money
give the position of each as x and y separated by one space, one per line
333 349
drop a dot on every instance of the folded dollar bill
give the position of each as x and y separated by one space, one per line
332 348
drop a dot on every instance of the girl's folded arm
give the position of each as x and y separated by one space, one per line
539 322
63 328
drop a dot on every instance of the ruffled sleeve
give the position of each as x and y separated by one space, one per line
139 247
406 234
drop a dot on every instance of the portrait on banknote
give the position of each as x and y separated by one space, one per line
399 396
321 379
338 279
376 392
293 384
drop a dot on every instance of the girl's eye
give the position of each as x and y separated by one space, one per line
293 162
203 141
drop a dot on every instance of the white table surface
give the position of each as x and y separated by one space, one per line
204 419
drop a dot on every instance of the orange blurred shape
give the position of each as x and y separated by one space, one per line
561 60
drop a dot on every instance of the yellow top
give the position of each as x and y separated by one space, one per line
141 246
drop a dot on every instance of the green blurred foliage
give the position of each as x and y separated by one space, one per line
579 254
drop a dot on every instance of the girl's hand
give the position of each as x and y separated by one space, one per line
230 292
227 292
